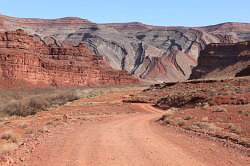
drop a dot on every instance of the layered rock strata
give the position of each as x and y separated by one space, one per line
223 60
150 53
29 58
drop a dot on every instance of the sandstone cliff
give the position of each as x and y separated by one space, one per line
151 53
223 60
29 58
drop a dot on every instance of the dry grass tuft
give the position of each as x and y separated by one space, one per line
219 109
180 123
188 117
205 126
10 136
234 128
32 104
23 125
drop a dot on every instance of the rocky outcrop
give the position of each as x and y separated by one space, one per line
244 72
154 54
230 31
223 60
29 58
151 53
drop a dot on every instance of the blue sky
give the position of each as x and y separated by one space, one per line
156 12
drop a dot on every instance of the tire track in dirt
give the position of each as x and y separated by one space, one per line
130 139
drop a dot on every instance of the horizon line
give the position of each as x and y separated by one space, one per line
128 22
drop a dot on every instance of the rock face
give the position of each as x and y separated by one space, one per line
151 53
230 32
223 60
29 58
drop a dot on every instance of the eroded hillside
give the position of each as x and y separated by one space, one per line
151 53
29 58
223 61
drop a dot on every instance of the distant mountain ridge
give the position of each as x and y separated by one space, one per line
150 53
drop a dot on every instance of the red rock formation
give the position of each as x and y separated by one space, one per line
223 60
151 53
28 58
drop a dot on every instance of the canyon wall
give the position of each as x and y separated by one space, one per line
150 53
26 57
223 61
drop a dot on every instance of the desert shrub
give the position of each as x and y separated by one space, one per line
180 123
9 136
201 125
44 130
23 125
38 103
181 100
14 107
20 108
62 98
234 129
238 90
206 126
226 86
24 102
188 118
219 109
165 119
245 113
33 104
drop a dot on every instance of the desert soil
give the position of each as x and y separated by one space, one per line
105 131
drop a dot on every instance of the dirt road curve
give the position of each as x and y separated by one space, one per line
130 140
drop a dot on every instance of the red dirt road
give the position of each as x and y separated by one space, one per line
134 140
129 138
